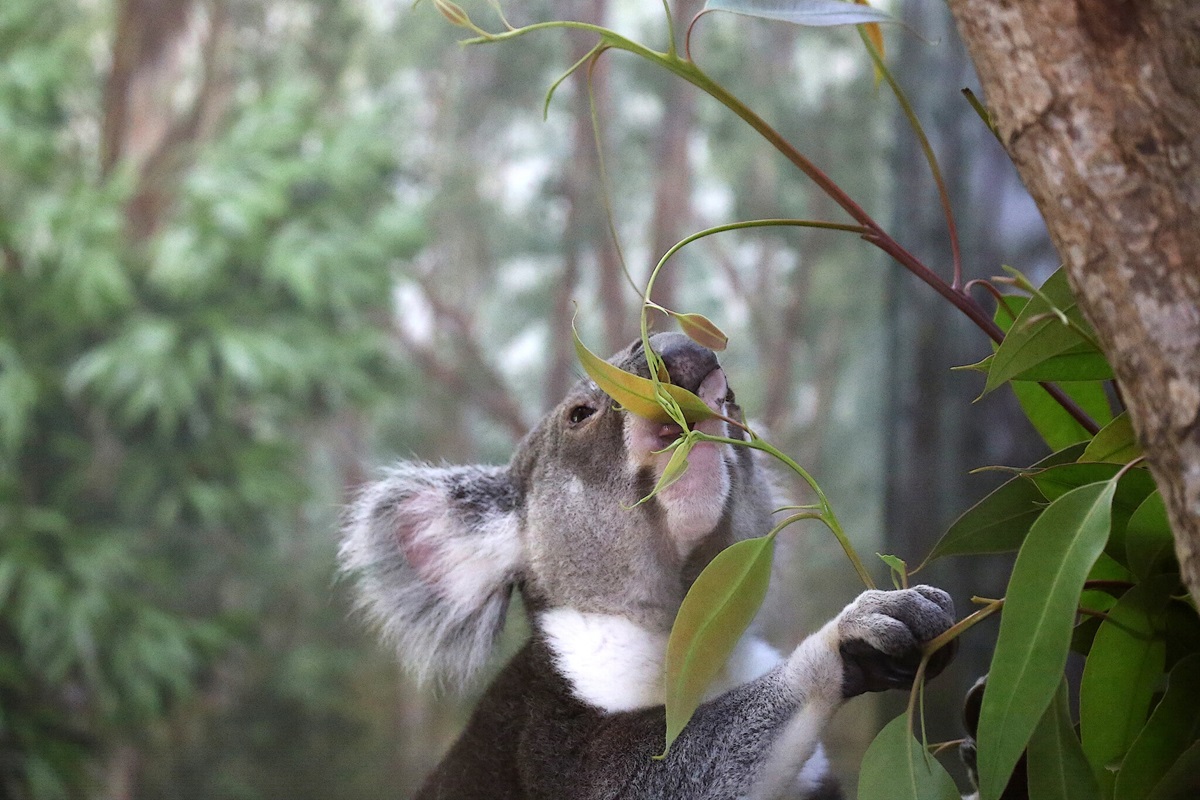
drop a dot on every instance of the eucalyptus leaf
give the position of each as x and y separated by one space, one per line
1149 543
1085 364
896 767
1052 422
812 13
1058 769
637 394
715 613
1036 625
1121 674
998 523
1174 725
1038 334
1115 443
702 330
1132 490
676 466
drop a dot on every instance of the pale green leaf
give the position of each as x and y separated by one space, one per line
715 613
635 393
813 13
896 767
700 329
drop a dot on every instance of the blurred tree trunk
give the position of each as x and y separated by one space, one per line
673 184
1098 103
147 125
586 232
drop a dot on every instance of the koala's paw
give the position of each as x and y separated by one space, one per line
880 636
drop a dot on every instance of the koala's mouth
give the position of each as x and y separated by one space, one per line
694 503
714 391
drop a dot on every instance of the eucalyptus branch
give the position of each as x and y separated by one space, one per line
874 232
926 147
960 627
826 513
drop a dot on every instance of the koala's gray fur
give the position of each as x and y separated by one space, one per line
577 713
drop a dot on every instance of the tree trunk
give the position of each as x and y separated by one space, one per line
673 182
1098 103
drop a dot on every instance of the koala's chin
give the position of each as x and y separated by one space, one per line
436 553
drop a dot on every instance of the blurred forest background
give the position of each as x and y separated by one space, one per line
251 249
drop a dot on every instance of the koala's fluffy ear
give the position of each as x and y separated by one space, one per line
436 552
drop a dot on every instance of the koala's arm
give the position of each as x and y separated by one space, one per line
752 740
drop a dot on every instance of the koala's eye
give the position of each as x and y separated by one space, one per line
579 413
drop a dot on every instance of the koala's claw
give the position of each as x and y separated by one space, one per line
881 635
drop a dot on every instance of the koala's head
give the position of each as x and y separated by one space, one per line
436 551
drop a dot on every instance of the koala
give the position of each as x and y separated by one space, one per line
437 551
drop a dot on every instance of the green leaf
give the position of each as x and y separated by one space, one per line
1182 781
1121 675
1052 422
1149 543
1038 334
1115 443
896 767
1035 628
676 466
813 13
1062 478
1106 568
1135 485
1058 769
700 329
897 567
998 523
1173 726
1088 365
714 615
635 393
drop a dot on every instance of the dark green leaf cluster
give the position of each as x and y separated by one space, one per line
1095 573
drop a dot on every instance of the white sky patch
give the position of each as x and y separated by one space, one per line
804 405
522 163
641 109
712 199
413 313
821 67
523 274
526 351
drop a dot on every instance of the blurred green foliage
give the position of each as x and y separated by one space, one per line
164 402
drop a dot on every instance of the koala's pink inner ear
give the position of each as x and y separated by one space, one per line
462 555
420 554
416 522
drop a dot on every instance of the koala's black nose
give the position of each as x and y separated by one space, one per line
687 362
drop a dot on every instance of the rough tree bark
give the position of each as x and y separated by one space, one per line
1098 104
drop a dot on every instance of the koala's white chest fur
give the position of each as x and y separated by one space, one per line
615 664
